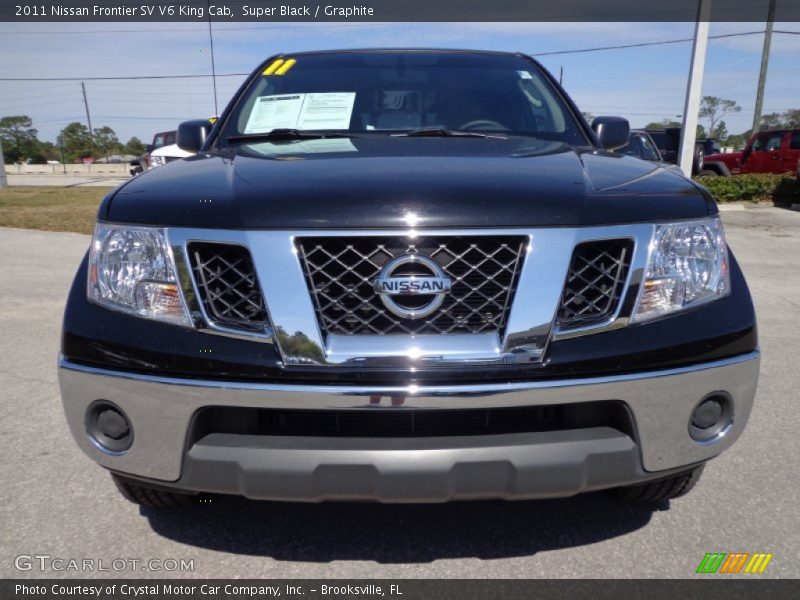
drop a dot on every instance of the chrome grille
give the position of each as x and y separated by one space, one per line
597 274
483 270
227 285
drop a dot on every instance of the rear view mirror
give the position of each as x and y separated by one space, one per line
192 134
612 132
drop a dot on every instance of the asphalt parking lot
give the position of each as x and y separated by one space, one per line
56 502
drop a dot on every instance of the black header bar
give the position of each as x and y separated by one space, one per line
702 587
390 10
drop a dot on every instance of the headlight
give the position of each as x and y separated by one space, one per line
131 269
688 265
157 161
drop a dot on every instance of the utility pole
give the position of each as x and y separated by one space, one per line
3 178
694 89
762 76
561 76
88 118
61 150
213 67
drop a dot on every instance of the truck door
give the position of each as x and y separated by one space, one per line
791 156
766 155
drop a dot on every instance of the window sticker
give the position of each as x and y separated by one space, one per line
524 75
329 110
274 112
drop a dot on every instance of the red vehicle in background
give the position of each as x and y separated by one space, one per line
766 152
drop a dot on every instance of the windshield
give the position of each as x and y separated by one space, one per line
390 92
164 139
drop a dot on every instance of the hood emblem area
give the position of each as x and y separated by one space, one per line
412 286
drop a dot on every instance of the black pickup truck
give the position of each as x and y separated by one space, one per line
406 276
668 141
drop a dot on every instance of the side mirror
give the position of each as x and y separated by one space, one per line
149 148
192 134
612 132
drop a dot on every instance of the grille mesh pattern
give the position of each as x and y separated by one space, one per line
227 285
597 274
483 270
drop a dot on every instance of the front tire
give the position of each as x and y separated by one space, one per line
152 497
708 173
699 161
661 489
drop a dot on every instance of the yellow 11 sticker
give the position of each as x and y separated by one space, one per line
279 66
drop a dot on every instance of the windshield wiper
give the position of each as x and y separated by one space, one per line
286 134
442 132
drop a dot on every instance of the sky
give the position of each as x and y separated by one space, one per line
642 84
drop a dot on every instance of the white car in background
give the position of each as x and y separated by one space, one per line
166 154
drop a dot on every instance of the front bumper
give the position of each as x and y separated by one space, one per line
522 465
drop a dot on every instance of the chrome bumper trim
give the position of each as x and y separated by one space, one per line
161 408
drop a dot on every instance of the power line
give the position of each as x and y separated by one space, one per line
553 53
67 120
38 104
120 78
137 118
644 44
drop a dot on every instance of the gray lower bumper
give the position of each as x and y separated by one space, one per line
533 465
529 465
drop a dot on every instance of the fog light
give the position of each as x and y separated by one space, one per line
712 418
108 427
111 423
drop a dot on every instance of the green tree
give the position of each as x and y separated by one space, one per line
770 121
135 146
714 109
672 124
722 131
76 141
298 345
49 150
663 124
791 118
19 139
106 141
737 141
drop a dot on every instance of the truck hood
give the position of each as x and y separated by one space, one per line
380 181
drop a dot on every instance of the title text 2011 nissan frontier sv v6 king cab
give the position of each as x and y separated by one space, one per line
406 276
